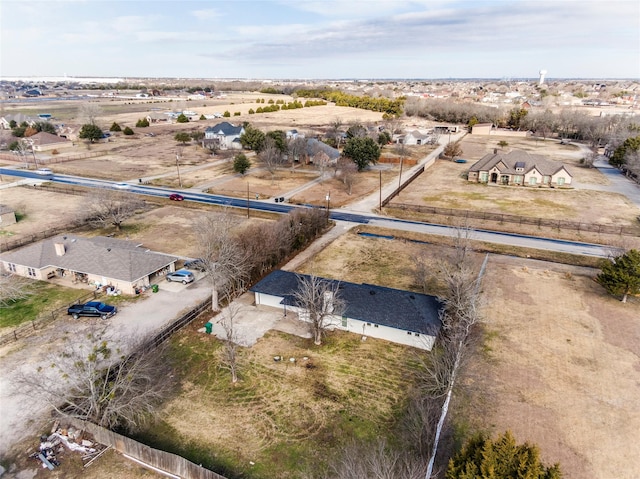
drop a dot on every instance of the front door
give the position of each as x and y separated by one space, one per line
494 177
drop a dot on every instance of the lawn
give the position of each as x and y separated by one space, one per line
281 418
44 297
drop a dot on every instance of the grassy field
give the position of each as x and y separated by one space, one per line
281 418
44 297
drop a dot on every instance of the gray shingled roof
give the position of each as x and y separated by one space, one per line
108 257
225 128
390 307
313 146
45 138
509 160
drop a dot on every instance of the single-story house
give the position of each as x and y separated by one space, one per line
157 117
226 134
46 141
97 261
394 315
315 146
519 168
7 216
414 137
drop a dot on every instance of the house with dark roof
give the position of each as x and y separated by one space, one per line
314 147
19 118
519 168
97 261
394 315
225 134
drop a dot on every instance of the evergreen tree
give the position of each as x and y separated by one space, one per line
182 137
362 151
127 131
115 127
90 132
142 123
500 459
182 118
241 163
621 276
252 138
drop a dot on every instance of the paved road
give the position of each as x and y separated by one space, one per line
338 215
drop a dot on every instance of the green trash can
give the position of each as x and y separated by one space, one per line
154 288
208 327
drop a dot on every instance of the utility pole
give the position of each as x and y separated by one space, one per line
178 168
328 198
247 199
380 171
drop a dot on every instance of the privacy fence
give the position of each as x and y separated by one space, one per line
521 220
165 461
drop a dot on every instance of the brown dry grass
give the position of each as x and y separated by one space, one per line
560 368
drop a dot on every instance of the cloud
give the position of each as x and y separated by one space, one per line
205 14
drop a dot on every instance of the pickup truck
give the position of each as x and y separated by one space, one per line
93 308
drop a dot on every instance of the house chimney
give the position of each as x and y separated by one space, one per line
60 249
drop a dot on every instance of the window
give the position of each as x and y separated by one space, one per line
344 321
31 272
12 267
409 333
368 324
561 181
533 180
484 176
416 334
375 325
517 179
545 180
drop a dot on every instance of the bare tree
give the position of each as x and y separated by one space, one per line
319 302
270 156
297 149
13 288
225 260
229 358
89 112
459 319
111 208
376 460
93 380
347 171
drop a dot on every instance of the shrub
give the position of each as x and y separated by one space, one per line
226 114
127 131
55 152
142 123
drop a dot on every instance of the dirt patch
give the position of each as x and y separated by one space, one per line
562 367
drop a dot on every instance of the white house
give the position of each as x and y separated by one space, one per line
225 134
394 315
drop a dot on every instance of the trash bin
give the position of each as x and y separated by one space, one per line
208 327
154 288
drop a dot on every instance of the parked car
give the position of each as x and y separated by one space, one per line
176 197
122 186
44 171
182 275
197 264
92 308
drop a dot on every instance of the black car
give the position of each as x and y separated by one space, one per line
92 308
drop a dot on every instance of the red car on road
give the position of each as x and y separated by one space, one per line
176 197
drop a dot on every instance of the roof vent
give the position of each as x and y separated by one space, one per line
108 249
412 296
372 292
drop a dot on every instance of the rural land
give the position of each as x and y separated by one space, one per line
512 209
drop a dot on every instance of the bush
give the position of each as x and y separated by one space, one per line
55 152
142 123
226 114
236 113
115 127
182 118
128 131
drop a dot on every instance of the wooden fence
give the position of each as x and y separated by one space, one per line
406 183
178 324
27 329
165 461
28 158
522 220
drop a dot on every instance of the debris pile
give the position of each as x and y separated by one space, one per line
64 439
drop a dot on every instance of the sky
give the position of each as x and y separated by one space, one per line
329 39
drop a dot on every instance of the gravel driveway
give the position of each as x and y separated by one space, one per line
22 416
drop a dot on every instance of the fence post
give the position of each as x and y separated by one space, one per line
33 323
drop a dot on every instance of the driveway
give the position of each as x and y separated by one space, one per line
22 416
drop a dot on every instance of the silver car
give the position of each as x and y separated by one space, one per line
182 275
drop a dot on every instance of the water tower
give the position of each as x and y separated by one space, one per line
542 75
